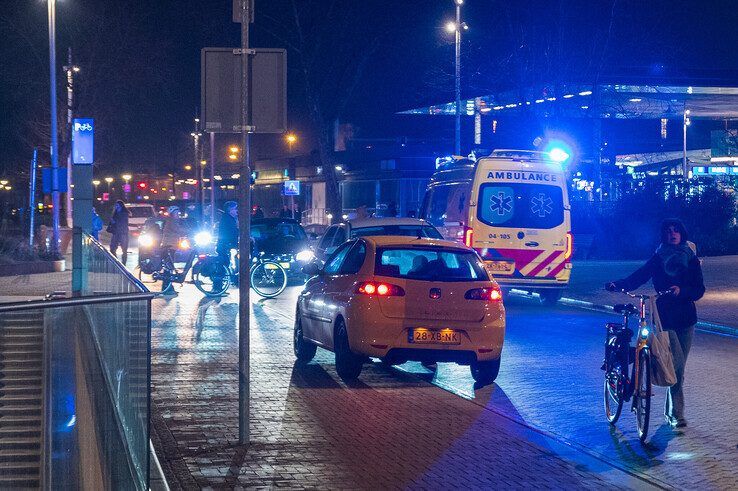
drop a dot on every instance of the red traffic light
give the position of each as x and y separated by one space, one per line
141 185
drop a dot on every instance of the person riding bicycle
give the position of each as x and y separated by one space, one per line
675 268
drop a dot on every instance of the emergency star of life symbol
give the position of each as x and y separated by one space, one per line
502 203
541 205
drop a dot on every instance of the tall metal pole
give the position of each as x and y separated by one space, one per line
32 197
212 179
457 128
686 122
54 148
69 68
244 304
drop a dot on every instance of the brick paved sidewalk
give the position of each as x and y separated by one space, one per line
309 430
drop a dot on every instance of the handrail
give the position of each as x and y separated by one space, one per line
121 268
70 302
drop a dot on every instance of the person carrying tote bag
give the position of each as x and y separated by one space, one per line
674 267
662 362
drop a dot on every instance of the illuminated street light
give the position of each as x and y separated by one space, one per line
4 182
687 122
456 28
126 177
187 167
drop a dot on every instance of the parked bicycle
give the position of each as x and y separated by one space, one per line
620 384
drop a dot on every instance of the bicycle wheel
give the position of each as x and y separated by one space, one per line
268 279
211 277
613 395
642 397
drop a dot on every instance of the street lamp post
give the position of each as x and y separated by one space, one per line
54 144
456 28
687 122
70 69
291 139
198 168
109 180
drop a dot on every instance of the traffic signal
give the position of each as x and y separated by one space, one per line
141 185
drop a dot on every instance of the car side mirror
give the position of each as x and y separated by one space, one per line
311 269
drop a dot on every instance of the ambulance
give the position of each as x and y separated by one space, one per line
513 208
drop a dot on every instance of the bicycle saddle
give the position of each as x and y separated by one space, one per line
628 309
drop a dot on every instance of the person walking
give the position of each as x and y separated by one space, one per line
118 228
675 268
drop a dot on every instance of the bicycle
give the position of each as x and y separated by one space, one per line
209 275
267 277
619 355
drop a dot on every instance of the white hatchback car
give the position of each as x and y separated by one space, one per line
139 213
339 233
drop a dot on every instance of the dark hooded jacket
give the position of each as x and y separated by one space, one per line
671 265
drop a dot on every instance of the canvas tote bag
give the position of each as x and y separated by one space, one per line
662 361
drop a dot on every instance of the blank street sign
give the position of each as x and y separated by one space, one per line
221 90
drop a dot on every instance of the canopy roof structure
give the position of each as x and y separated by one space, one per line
603 101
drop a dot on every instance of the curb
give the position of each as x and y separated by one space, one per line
701 325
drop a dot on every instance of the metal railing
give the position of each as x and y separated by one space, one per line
96 378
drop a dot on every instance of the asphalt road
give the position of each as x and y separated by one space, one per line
551 380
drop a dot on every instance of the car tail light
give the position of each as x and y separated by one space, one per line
468 236
569 245
380 289
488 294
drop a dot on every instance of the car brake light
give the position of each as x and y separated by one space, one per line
468 236
380 289
489 294
569 245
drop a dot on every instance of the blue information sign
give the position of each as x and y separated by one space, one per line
83 140
291 188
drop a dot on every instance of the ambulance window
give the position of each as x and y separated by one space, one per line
520 205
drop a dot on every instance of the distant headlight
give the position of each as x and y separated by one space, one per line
145 240
304 256
203 238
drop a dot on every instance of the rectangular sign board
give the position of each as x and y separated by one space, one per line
220 90
291 188
83 141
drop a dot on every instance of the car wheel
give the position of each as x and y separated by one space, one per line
304 350
348 364
485 372
550 297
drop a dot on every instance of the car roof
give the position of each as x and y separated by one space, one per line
403 240
378 222
270 221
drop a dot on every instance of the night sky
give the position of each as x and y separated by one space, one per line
140 61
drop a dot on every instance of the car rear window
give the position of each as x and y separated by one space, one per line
272 230
429 264
405 230
447 203
520 205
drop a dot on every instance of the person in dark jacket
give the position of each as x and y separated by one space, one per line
675 268
228 231
118 227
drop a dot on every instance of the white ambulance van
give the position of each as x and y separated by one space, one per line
513 208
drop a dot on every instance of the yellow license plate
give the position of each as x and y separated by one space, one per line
501 266
270 266
285 265
426 336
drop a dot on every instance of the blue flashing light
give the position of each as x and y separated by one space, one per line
644 333
558 154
